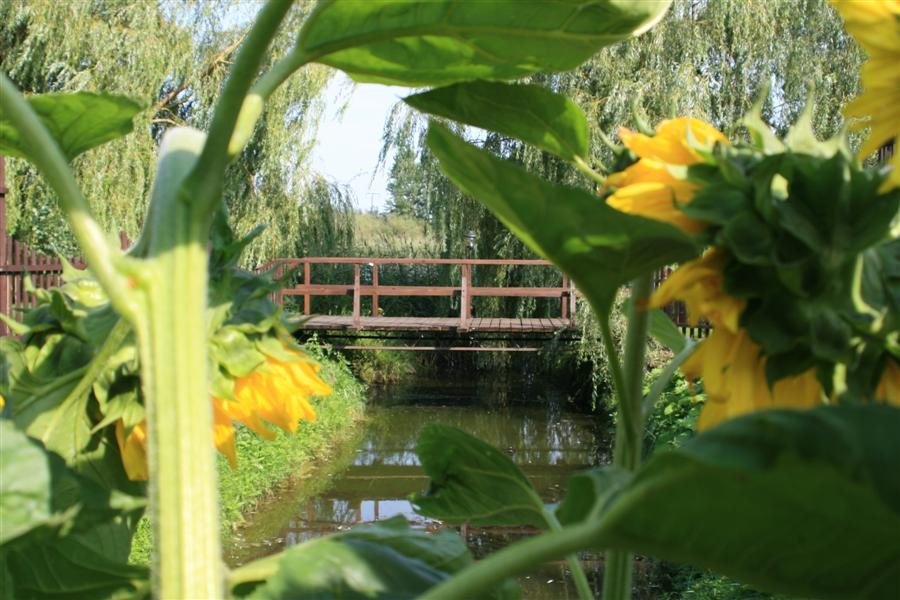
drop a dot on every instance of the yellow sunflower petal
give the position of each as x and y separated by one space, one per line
733 372
133 450
657 201
223 432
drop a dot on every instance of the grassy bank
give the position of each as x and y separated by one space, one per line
265 465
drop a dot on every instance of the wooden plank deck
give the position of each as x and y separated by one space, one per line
475 324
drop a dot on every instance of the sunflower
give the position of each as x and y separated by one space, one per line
731 364
655 186
275 394
732 367
875 24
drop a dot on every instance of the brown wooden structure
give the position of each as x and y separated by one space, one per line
18 262
463 290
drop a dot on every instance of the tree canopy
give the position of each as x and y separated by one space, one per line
172 58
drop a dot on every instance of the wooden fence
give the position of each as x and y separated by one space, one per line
18 262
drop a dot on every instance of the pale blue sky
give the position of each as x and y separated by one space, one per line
348 144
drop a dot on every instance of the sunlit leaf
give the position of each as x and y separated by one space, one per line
78 121
473 482
803 503
378 560
532 113
599 247
437 42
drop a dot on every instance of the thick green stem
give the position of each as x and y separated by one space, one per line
628 450
173 343
617 574
182 466
183 493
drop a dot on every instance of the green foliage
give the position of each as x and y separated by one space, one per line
673 419
435 43
381 366
264 465
61 530
772 491
533 113
473 482
381 559
766 468
815 276
173 62
393 235
78 122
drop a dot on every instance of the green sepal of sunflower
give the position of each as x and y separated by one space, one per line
800 137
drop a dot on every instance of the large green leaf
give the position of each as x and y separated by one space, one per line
436 42
804 503
25 483
63 535
531 113
379 560
598 246
78 121
473 482
71 567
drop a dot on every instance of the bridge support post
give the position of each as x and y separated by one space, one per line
306 275
465 297
356 294
375 269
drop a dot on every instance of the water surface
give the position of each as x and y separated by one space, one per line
381 470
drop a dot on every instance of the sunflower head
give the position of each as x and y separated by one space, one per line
656 186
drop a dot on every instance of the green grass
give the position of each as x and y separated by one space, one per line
394 235
265 465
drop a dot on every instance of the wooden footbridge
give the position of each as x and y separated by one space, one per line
369 295
361 280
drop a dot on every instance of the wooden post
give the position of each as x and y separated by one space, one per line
572 302
306 282
465 309
564 299
356 297
375 269
5 246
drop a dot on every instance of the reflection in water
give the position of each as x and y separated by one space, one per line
547 442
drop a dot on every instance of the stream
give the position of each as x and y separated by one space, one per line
372 478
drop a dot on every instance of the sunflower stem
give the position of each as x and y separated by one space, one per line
617 577
173 346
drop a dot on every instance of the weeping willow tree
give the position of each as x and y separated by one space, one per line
172 58
711 59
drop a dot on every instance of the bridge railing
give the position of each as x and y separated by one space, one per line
466 291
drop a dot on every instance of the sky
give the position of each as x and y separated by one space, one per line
348 143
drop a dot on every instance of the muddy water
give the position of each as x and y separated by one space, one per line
374 476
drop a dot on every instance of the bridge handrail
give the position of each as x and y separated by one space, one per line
466 290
